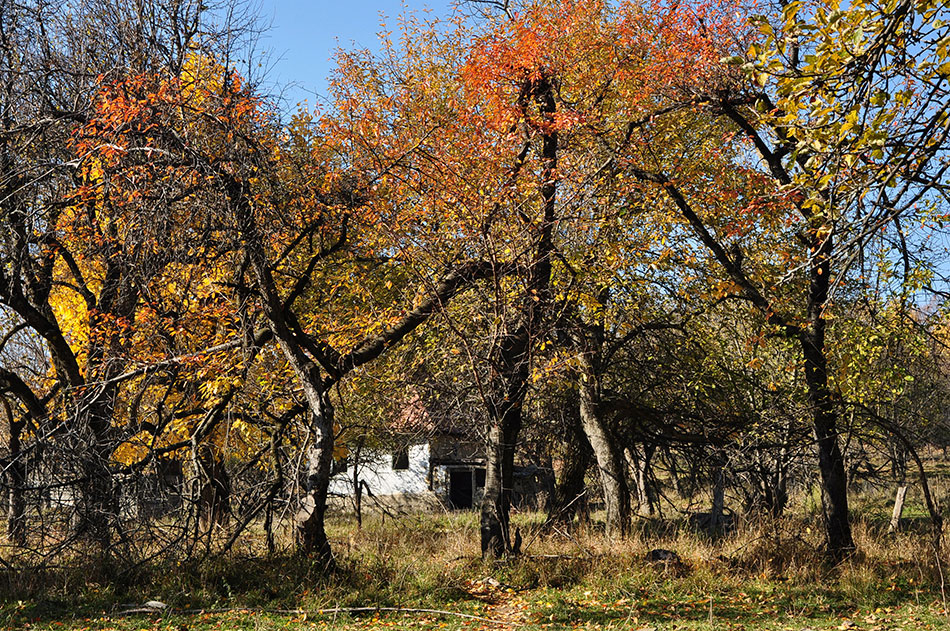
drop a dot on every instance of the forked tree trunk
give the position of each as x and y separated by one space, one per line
499 475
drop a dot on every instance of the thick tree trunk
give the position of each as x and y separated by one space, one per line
499 474
825 417
310 519
567 499
214 495
510 388
831 466
97 508
609 454
494 510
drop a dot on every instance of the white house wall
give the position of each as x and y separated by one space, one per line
378 474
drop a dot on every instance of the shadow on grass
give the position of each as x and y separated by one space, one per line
753 606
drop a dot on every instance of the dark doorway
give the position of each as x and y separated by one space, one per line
460 488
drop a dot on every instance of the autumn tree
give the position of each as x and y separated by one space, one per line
82 247
487 128
821 98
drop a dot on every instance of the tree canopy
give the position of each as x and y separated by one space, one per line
712 228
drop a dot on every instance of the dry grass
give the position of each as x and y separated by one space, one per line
765 571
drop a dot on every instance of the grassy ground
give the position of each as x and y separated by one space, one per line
423 572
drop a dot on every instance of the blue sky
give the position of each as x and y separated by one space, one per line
304 34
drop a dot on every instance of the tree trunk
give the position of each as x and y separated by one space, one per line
514 353
16 480
309 520
567 498
499 474
97 507
824 416
716 512
358 484
833 479
898 512
609 455
639 465
310 523
505 414
214 495
780 484
899 471
494 511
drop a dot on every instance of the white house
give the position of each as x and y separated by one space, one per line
440 472
443 472
441 466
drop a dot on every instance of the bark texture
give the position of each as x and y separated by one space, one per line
568 499
607 451
513 358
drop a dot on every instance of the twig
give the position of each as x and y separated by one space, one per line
576 542
552 519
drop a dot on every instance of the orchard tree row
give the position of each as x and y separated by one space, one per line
617 234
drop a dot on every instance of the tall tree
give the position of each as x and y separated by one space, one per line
825 87
78 251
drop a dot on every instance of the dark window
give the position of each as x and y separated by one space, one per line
340 466
479 478
401 459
